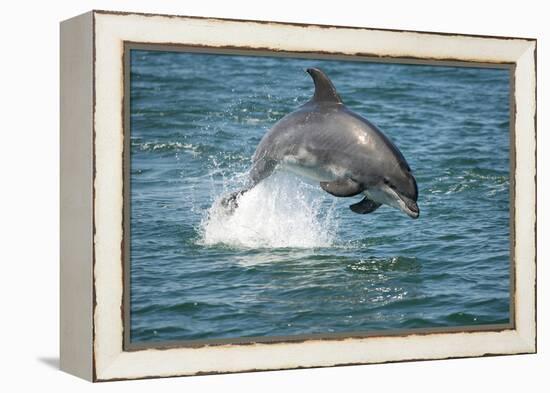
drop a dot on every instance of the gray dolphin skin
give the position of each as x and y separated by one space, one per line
348 155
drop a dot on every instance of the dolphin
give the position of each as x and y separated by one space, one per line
326 142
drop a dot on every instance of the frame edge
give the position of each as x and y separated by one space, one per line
112 369
76 200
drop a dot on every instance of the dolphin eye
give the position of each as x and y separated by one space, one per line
390 185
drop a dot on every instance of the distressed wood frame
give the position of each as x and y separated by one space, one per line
94 343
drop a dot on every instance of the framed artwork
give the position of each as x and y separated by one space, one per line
245 195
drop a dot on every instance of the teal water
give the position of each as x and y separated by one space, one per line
293 259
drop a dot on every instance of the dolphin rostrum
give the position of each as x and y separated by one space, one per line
347 154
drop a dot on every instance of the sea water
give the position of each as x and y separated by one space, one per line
293 259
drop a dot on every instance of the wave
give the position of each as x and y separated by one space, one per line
166 146
280 212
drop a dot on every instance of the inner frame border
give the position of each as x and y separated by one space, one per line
128 46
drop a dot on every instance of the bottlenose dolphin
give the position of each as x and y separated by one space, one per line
347 154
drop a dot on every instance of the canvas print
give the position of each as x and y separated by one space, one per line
279 197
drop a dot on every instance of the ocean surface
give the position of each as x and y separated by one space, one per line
293 259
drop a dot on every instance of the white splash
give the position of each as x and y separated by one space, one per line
282 211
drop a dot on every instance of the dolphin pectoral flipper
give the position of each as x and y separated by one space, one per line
342 187
365 206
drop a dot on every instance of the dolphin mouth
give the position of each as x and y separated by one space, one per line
406 205
409 207
391 197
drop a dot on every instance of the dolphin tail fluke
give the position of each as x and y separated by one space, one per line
231 201
261 169
366 206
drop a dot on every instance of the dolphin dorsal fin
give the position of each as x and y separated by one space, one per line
324 89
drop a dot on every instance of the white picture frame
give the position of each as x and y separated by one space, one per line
92 193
